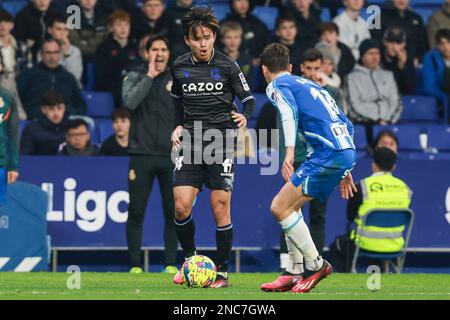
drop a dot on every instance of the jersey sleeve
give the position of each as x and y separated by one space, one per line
239 84
176 88
283 100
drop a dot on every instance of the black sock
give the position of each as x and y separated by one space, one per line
186 233
224 240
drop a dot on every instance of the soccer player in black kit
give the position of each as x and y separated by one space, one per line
205 84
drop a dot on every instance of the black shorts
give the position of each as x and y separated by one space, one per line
195 171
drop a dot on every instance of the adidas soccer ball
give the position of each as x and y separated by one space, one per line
199 272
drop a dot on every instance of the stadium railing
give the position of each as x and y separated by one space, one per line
146 251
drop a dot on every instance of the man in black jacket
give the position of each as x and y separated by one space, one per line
146 92
47 76
395 57
255 31
114 55
44 135
398 13
30 24
152 19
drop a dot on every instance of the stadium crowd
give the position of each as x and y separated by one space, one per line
47 67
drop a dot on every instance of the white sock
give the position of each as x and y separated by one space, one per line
296 229
295 263
284 260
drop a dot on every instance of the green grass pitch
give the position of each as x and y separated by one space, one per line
159 286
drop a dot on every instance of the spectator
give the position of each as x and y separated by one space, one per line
352 28
93 30
31 24
342 55
396 58
114 55
146 92
10 49
436 69
329 75
311 69
286 33
176 11
439 20
71 58
392 193
44 135
231 38
152 19
372 91
398 14
332 5
117 144
78 140
386 139
255 31
9 143
47 76
308 20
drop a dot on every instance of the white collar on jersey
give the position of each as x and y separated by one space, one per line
212 56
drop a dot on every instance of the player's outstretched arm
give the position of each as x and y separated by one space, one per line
347 187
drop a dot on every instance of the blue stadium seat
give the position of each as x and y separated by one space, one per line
221 10
435 3
14 6
268 15
90 77
22 125
407 134
360 137
325 15
99 104
260 101
439 137
104 129
425 12
419 108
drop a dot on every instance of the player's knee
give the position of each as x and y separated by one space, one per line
276 208
182 209
220 207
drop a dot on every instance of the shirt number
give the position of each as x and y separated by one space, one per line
327 101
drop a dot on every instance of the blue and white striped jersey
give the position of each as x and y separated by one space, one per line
308 109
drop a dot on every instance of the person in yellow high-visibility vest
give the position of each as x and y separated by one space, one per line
379 191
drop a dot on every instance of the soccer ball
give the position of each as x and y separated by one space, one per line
199 272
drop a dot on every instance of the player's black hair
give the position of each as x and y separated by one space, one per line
312 55
275 57
384 158
121 113
52 99
288 17
382 134
442 34
76 123
156 37
200 17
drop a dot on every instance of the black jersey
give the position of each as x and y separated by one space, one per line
208 90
